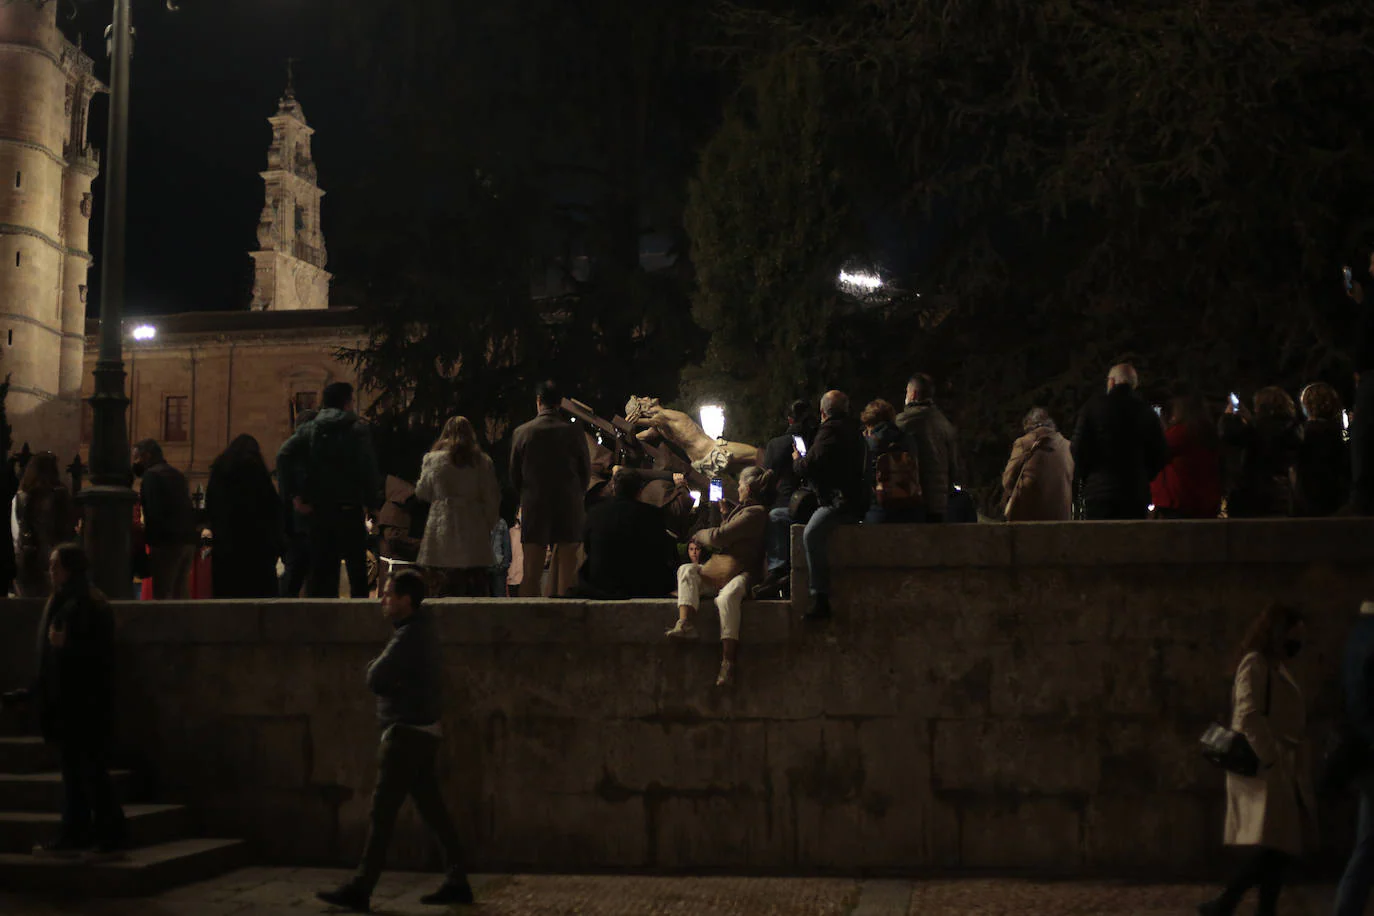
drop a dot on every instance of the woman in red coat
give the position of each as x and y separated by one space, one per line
1190 484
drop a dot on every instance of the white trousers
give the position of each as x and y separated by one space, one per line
730 601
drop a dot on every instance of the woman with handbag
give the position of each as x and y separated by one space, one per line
1037 483
1266 811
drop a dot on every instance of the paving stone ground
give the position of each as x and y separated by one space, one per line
290 892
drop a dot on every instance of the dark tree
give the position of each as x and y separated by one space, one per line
1170 182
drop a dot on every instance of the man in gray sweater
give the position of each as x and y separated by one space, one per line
407 679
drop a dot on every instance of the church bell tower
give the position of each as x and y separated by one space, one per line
289 266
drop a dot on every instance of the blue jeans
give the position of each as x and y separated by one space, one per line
816 539
1353 892
779 539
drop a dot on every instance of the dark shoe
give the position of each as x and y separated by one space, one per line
349 897
452 891
61 848
771 586
820 609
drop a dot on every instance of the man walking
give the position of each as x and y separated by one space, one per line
937 445
73 694
835 467
169 522
1118 449
1358 679
328 473
551 468
407 679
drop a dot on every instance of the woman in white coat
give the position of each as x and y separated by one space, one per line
1267 811
458 480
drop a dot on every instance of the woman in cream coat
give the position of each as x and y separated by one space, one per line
1267 811
459 482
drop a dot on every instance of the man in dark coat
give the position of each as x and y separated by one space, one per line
1118 449
328 472
296 556
777 457
169 522
629 551
407 679
937 445
73 694
834 466
551 468
1362 413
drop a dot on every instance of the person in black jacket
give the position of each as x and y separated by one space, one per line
1321 477
629 551
1357 675
1362 412
834 465
246 519
169 522
1118 449
407 679
73 694
777 457
1267 443
937 446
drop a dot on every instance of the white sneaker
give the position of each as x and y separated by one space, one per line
685 629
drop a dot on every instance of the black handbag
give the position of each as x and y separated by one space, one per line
803 505
1231 750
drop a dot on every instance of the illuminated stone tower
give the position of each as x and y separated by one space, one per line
46 169
289 267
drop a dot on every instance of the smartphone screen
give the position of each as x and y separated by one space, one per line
1349 280
696 498
1159 411
1235 401
800 443
717 491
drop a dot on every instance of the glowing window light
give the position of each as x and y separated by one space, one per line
861 280
145 332
713 420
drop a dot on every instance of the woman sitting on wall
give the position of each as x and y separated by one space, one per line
1267 811
459 482
739 556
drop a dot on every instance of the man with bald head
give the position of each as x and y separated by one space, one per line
1118 448
834 466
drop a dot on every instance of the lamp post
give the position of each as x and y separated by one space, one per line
108 501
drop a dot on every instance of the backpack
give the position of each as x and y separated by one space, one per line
898 484
331 474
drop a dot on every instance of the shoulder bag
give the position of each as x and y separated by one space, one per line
1231 750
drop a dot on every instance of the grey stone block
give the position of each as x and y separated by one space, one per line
921 546
497 621
1036 544
205 622
1038 833
1043 757
324 622
1300 540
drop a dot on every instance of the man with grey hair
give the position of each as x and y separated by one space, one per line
835 466
1118 449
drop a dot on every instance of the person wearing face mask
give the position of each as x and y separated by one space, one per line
1266 812
169 522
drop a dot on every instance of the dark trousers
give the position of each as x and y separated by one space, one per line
406 766
1096 509
1362 447
170 567
89 808
1264 870
1353 893
297 565
335 535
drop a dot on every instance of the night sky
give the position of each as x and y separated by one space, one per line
206 78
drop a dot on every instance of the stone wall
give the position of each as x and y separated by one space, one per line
988 697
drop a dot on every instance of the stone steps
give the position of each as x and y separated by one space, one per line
142 872
43 791
27 755
149 825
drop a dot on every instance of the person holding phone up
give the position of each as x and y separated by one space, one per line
1362 419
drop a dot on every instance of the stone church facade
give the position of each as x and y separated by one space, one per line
47 165
197 380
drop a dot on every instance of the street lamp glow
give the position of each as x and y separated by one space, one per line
145 332
713 420
861 280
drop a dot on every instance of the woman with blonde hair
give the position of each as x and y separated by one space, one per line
1266 812
739 545
458 481
1321 477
